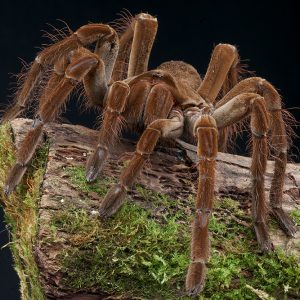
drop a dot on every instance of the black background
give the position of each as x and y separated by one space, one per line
266 34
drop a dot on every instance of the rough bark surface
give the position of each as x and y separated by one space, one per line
166 172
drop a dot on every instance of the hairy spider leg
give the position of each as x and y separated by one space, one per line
206 132
130 108
166 123
279 141
233 111
223 59
134 51
135 47
221 76
49 109
96 82
85 35
110 127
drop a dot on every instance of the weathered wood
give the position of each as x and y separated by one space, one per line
167 172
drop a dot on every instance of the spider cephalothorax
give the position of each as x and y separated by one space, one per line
170 102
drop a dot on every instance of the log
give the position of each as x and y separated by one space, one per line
170 171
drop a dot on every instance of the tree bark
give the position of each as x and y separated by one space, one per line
166 173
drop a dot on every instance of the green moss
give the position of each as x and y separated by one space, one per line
77 178
143 254
129 253
21 214
162 207
295 214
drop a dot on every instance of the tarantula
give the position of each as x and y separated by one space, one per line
170 102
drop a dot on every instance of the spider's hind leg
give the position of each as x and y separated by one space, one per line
235 110
34 135
259 129
279 141
24 155
280 145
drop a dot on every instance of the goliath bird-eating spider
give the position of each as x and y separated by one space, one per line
168 103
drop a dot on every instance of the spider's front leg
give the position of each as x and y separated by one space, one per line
49 56
121 96
134 50
163 123
206 132
166 128
111 125
53 99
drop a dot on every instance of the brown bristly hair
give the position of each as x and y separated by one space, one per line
121 24
27 90
124 26
229 134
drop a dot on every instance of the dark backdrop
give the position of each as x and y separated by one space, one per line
265 33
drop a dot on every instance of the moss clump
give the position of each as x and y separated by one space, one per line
21 214
78 180
142 254
108 255
295 214
130 254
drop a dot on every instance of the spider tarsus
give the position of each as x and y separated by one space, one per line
91 174
195 278
267 246
14 178
263 237
7 190
95 164
112 201
284 221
